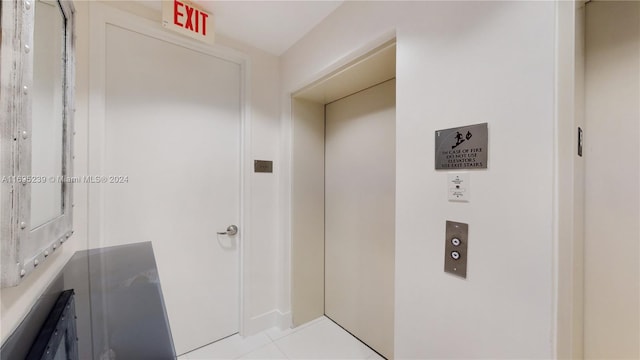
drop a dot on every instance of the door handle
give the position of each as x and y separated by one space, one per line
231 230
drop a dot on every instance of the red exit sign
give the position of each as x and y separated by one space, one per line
184 17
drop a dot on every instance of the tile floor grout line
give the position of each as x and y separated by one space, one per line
209 344
279 341
357 338
289 334
282 351
256 349
262 347
309 325
326 320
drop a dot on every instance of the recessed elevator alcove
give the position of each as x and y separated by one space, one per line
343 198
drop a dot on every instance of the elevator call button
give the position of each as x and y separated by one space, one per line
455 258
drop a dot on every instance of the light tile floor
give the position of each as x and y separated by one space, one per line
318 339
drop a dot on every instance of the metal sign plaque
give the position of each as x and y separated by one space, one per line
263 166
455 254
462 148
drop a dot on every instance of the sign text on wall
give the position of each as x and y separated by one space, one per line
185 18
462 148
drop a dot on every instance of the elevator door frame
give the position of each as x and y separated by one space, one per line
364 68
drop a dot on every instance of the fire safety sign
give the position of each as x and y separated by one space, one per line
462 148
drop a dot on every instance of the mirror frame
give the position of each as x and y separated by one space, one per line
16 80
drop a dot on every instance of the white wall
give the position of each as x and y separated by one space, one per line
460 63
612 213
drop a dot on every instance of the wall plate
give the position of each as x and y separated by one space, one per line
458 188
455 253
263 166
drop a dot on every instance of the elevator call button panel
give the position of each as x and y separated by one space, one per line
455 254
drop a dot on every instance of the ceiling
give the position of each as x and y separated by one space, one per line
272 26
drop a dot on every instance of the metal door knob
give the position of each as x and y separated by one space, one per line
231 230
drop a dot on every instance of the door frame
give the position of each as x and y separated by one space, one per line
303 210
101 15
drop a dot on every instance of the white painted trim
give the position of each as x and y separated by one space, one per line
246 170
557 217
268 320
100 16
284 320
555 198
566 340
347 60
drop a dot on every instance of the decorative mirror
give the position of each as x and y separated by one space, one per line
37 79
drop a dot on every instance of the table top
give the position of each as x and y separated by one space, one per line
119 306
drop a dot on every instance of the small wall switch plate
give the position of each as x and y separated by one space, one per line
458 188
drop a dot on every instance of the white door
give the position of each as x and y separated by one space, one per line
172 127
360 214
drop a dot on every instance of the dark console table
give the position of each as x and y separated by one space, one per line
119 306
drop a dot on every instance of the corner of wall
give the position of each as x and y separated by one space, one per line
568 241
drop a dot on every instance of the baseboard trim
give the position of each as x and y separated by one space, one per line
262 322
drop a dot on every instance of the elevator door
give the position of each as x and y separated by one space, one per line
360 214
